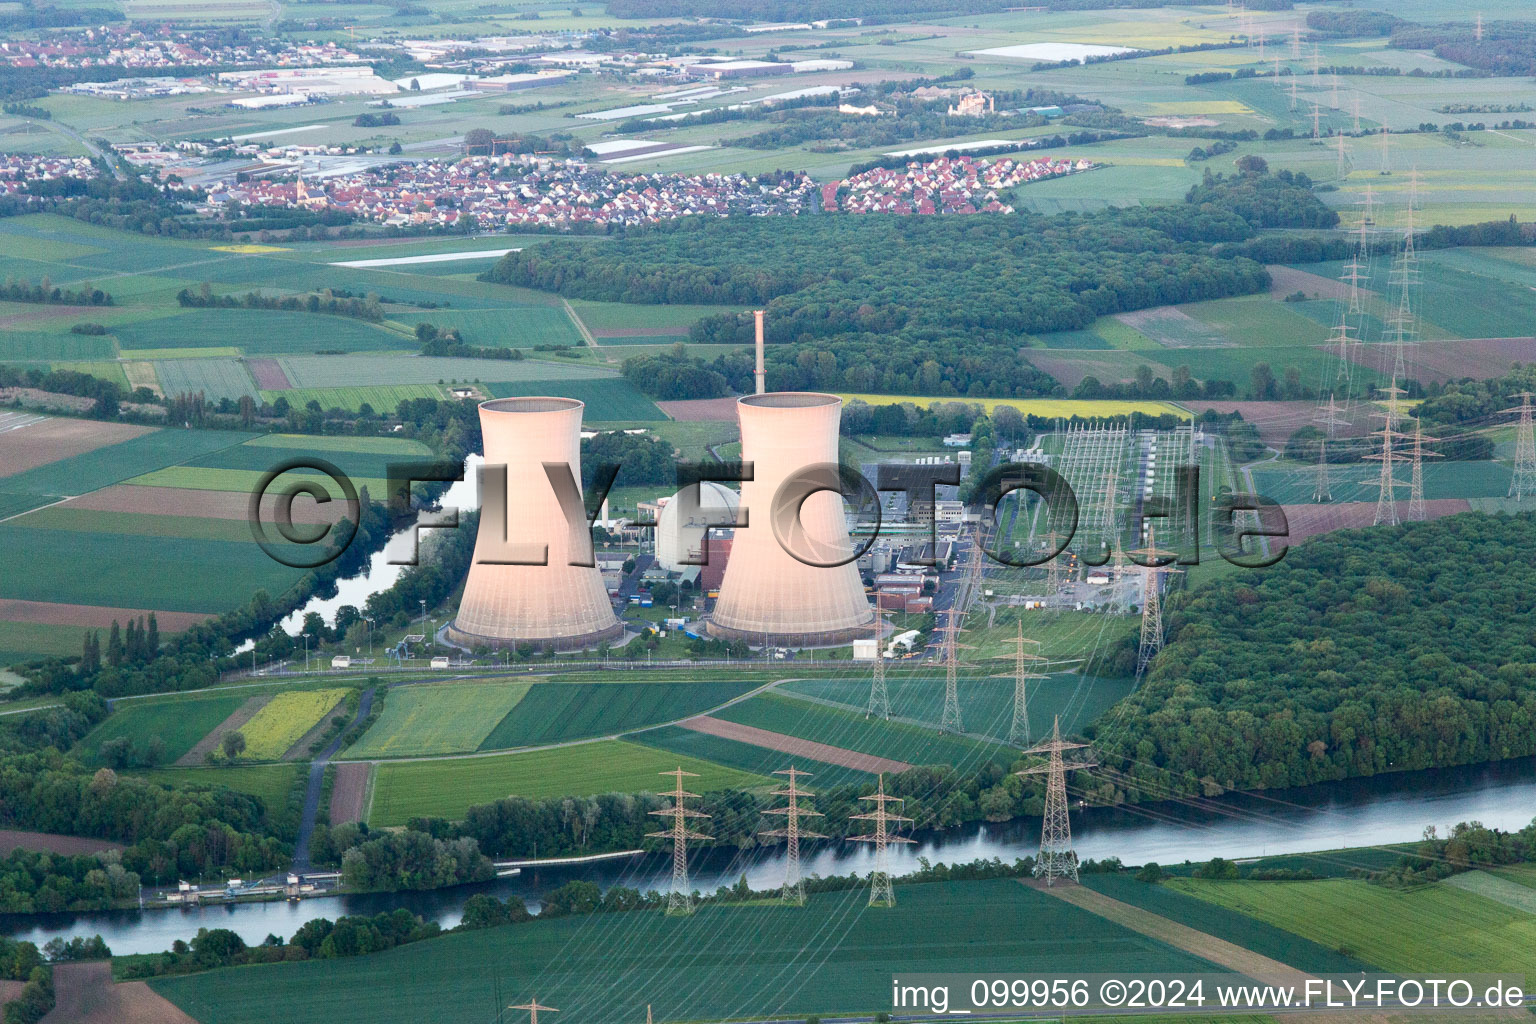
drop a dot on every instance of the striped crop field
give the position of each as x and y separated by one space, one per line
556 712
383 398
284 719
438 718
448 788
178 723
1046 408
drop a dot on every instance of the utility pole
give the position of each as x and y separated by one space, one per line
1416 511
680 896
533 1009
1524 480
880 892
949 721
793 891
1056 860
1153 569
1024 659
879 700
1386 496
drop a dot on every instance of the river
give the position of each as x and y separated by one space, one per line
1363 812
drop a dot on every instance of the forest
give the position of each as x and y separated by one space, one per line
937 305
1362 652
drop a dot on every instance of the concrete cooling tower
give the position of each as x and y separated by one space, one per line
768 595
558 604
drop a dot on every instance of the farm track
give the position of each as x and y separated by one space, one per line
793 745
317 782
87 995
1220 952
301 745
244 713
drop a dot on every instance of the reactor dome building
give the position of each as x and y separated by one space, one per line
686 518
556 604
768 596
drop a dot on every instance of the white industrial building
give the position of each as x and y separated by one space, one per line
684 519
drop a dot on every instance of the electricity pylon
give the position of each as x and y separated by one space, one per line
680 896
949 721
1524 480
533 1009
879 700
1405 277
1416 511
1386 496
880 892
1330 419
1024 659
1053 567
793 891
1151 604
1317 120
1056 858
1343 154
1386 152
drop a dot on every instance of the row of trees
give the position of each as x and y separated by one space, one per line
368 307
45 291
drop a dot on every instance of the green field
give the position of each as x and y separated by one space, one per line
612 398
523 327
1429 928
1362 482
834 956
179 723
556 712
24 641
758 761
447 788
94 470
215 378
364 370
20 346
437 718
383 399
986 704
273 784
258 331
850 730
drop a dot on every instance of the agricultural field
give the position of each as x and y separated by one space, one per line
1427 928
830 949
273 784
607 399
284 720
437 718
674 741
554 712
177 722
1291 484
1059 408
446 788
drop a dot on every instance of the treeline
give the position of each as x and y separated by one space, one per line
674 375
1468 846
1477 401
1506 47
1362 652
927 305
1354 23
448 342
484 142
375 120
368 308
106 396
45 291
641 458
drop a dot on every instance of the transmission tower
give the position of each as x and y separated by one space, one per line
1524 480
1052 568
1056 858
680 896
1386 151
793 891
1478 31
1330 419
880 892
950 720
1343 154
533 1009
1151 603
1386 497
1121 603
1292 91
1416 488
1317 120
1404 277
1355 106
1025 658
879 700
1295 43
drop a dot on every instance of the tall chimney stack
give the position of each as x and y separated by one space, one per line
757 316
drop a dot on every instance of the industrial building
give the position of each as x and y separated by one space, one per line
685 518
739 69
769 596
556 604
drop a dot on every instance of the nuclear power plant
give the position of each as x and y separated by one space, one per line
768 596
556 604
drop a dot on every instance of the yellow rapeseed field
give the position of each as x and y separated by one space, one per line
286 717
1064 408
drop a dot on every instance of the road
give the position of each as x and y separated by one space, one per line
95 150
316 784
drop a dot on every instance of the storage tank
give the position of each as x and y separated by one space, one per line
768 596
557 605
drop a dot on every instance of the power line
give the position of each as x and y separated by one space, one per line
533 1009
879 700
1416 511
1386 495
880 892
949 721
793 891
1524 480
1056 859
1024 659
680 896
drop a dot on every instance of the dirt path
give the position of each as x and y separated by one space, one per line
1208 947
244 713
87 995
793 745
349 791
300 749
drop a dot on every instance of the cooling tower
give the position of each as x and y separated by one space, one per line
557 604
768 595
